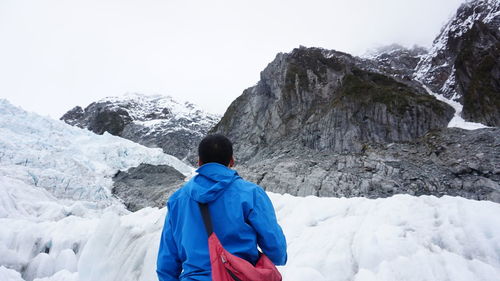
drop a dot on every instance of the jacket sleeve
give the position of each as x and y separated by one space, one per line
270 236
168 264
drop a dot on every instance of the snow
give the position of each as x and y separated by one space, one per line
398 238
62 275
457 121
48 234
9 274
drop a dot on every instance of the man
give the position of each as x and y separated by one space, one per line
242 217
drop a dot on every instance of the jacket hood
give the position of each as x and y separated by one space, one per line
211 181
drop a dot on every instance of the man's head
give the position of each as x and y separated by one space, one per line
215 148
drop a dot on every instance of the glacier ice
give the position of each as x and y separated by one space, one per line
397 238
67 161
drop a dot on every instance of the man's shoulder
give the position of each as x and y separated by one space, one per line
247 185
179 194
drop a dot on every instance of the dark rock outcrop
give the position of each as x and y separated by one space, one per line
153 121
478 74
146 185
74 116
111 121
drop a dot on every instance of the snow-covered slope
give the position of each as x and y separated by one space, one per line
457 121
51 236
67 161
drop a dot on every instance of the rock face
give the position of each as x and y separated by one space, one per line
153 121
450 161
146 185
464 65
324 101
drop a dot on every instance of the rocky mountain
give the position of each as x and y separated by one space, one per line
153 121
463 64
326 123
323 100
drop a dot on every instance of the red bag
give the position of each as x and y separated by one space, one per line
228 267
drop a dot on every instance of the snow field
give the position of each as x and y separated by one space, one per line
397 238
51 241
41 235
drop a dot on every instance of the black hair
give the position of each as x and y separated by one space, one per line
215 148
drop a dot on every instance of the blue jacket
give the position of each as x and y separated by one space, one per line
242 217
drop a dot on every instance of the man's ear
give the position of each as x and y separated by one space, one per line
199 162
231 162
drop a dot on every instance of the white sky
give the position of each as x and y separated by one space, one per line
56 54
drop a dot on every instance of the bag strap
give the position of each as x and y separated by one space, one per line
207 220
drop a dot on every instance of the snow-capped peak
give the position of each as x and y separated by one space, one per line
151 120
143 107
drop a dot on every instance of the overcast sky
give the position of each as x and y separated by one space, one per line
56 54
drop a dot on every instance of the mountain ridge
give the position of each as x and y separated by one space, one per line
151 120
463 64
